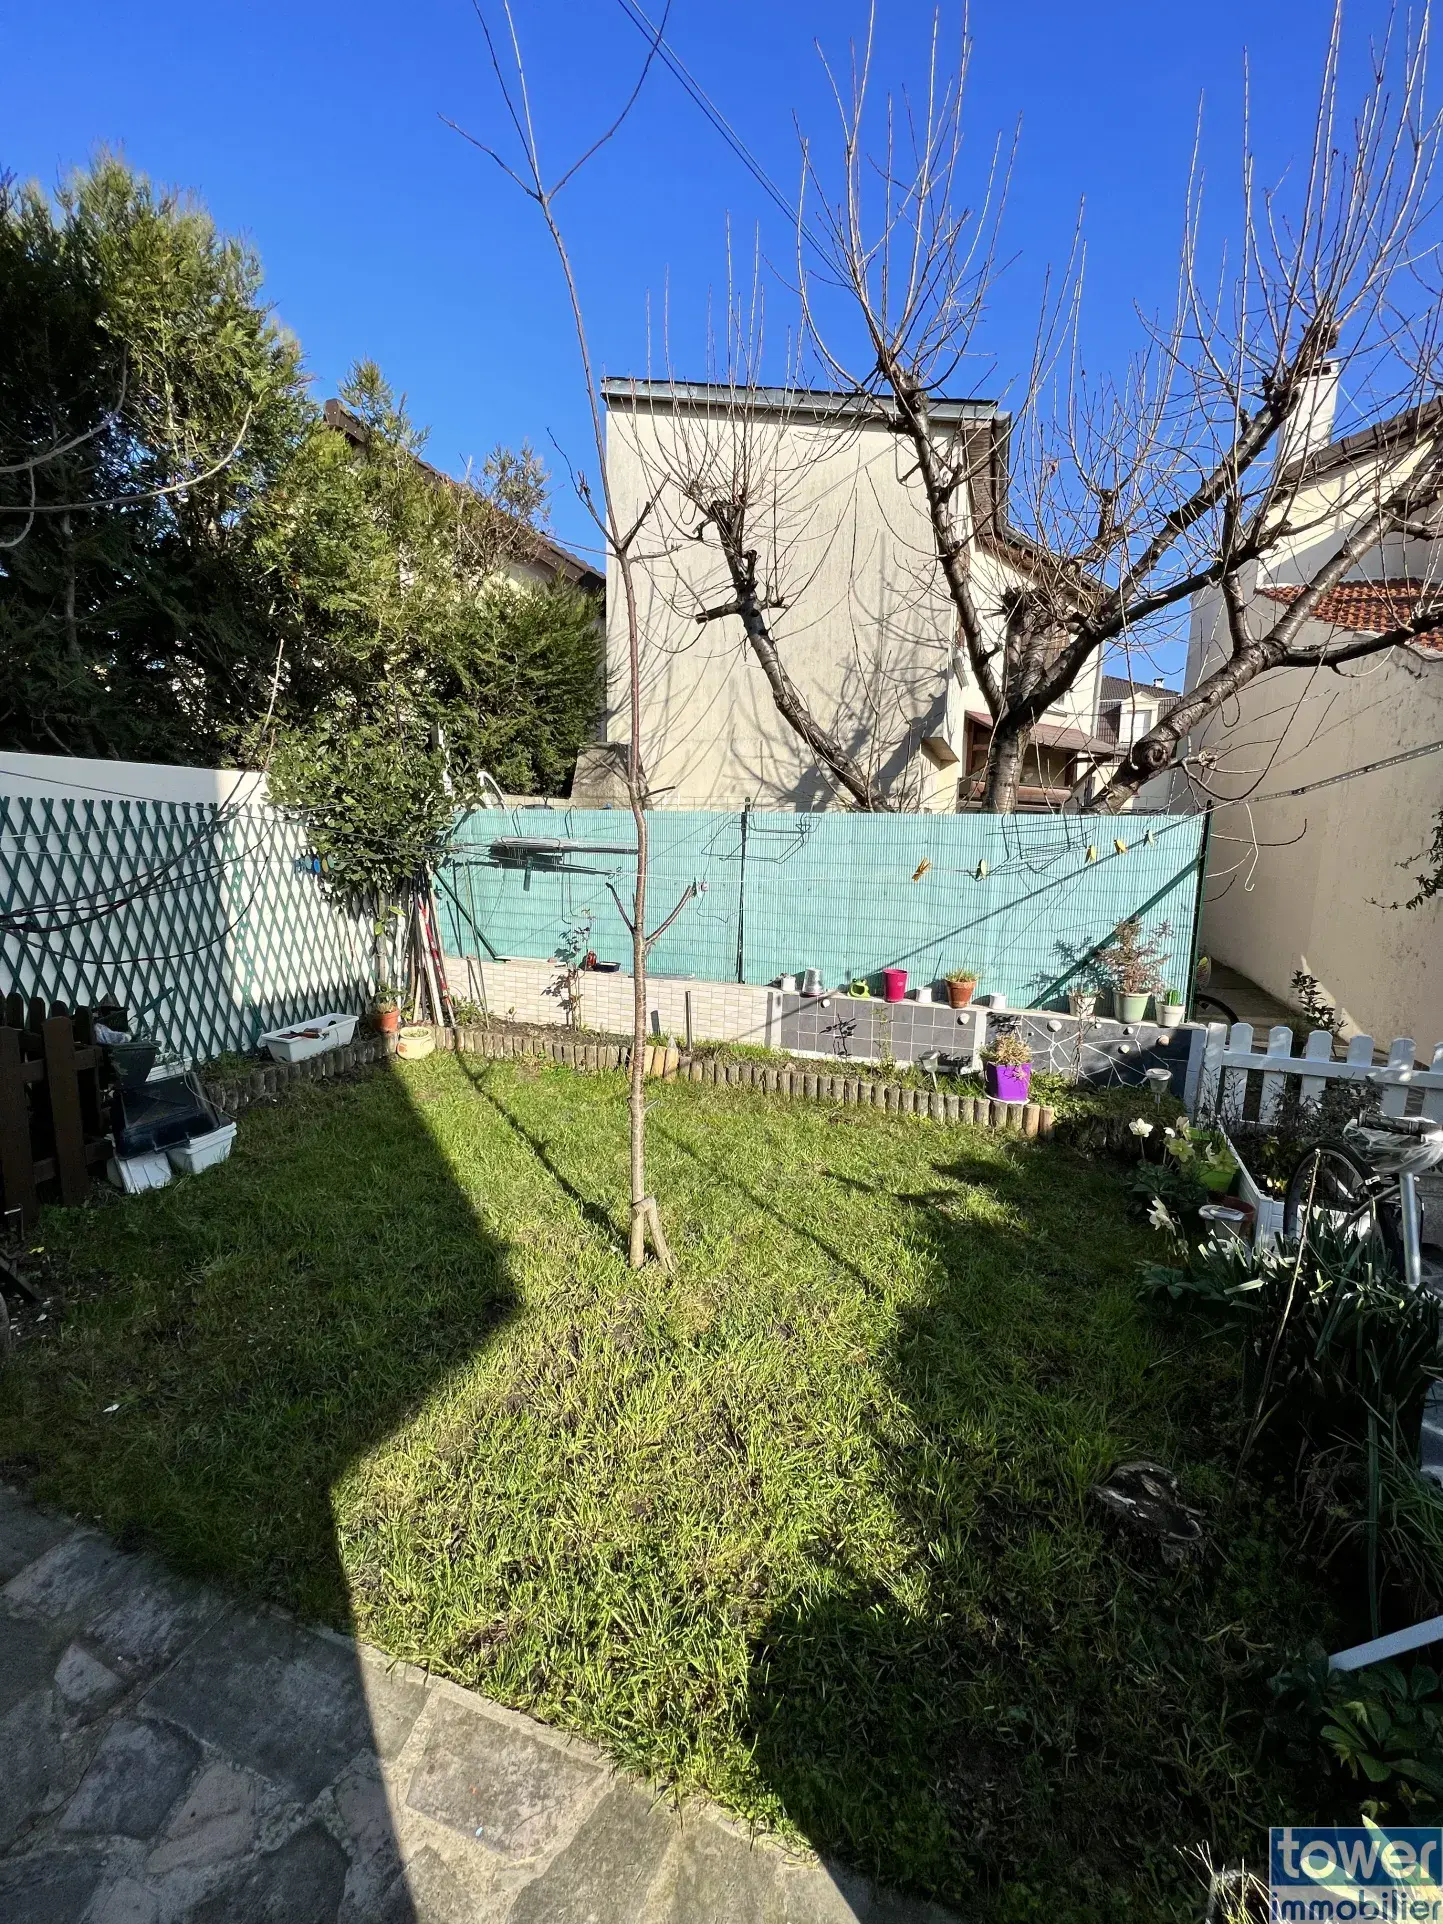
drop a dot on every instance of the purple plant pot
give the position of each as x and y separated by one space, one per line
1007 1082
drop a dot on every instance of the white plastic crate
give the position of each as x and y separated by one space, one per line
134 1174
202 1152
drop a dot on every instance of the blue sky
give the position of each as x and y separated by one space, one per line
316 128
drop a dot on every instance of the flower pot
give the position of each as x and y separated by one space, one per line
1082 1002
959 994
1131 1008
1008 1081
1170 1015
388 1021
417 1040
894 984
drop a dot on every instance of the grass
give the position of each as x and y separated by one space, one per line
805 1527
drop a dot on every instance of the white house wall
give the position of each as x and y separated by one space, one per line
1318 891
866 633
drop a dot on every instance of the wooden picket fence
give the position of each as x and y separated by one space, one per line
52 1113
1240 1082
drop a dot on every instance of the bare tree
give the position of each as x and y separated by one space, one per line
724 469
1195 470
542 189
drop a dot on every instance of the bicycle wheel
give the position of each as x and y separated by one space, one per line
1210 1008
1333 1185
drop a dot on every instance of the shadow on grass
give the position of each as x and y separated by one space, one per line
596 1214
1021 1712
234 1344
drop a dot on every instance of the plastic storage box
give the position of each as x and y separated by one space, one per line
202 1152
136 1173
310 1038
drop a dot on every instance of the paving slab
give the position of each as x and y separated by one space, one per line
134 1778
50 1887
512 1789
272 1695
26 1533
169 1757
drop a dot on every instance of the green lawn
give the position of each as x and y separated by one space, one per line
804 1527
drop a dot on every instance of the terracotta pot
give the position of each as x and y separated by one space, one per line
959 994
388 1021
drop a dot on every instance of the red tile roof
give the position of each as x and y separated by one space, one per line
1368 607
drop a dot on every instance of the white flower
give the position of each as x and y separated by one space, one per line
110 1409
1171 1134
1139 1127
1159 1216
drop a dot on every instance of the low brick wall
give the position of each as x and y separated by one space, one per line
265 1083
836 1029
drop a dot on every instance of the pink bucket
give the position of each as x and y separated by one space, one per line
894 984
1008 1081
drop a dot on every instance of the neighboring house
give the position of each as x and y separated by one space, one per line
530 557
1126 710
866 629
1314 881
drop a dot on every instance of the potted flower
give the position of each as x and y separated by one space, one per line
1171 1011
386 1008
1008 1069
1132 962
961 985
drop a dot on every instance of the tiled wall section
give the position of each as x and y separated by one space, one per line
837 1027
529 992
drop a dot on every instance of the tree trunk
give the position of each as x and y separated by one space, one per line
645 1218
1005 755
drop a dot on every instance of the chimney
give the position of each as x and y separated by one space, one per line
1309 427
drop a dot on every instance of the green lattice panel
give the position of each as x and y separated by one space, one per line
206 922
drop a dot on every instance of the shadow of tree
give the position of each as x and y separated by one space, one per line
1018 1708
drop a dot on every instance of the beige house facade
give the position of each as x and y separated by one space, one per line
1326 803
861 617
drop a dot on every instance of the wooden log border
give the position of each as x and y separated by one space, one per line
790 1083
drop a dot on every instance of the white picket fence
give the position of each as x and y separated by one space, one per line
1229 1060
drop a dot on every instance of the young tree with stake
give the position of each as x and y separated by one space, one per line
542 190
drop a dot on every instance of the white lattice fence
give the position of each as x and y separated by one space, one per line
1232 1067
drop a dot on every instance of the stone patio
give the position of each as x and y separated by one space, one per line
167 1754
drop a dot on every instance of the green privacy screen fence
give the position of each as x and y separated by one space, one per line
205 921
1017 898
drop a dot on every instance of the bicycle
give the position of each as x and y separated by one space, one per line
1367 1183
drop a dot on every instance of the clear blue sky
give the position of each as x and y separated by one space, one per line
315 128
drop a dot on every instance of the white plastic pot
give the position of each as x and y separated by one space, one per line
1170 1015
